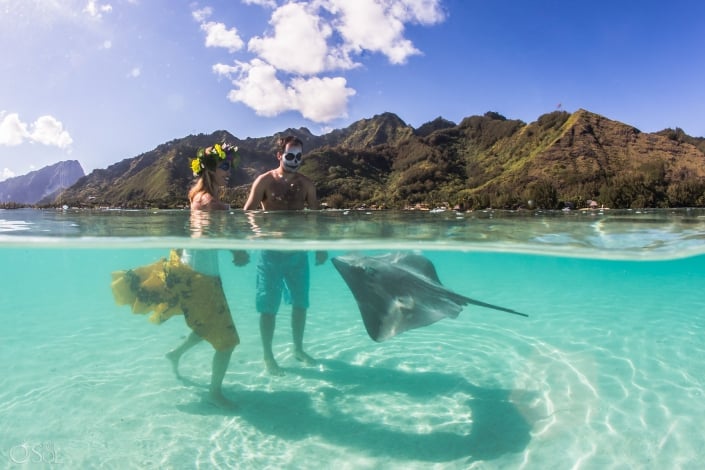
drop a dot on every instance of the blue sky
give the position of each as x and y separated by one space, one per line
102 80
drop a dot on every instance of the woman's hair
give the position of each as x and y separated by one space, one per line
204 184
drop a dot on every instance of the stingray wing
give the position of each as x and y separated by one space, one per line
393 297
418 302
422 266
412 262
396 292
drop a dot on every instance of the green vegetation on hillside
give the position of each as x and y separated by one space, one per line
485 161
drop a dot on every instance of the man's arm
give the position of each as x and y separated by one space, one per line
311 198
312 201
256 196
240 257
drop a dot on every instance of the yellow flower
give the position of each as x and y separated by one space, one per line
196 166
219 150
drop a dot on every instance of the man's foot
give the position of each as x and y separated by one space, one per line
273 368
219 400
305 358
173 357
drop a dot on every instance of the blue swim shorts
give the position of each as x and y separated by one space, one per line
277 270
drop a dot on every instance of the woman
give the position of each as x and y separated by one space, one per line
208 314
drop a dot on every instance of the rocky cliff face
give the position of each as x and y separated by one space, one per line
40 184
600 147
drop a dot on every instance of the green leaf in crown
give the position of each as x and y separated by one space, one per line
209 157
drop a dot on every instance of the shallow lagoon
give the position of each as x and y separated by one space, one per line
605 373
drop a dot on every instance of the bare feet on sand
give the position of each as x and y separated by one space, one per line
272 367
219 400
305 358
174 357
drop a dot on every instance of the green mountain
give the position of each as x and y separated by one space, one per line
485 161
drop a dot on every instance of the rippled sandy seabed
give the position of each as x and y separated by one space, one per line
606 372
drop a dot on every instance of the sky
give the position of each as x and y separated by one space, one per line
99 81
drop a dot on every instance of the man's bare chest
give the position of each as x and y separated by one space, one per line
284 194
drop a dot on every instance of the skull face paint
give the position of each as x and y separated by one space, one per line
291 160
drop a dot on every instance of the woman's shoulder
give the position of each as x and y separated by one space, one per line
205 201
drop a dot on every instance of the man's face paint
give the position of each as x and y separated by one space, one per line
292 158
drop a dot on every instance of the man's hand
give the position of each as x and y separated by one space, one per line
240 257
321 257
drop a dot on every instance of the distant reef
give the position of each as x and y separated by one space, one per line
561 159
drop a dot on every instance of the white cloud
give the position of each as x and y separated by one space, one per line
308 39
43 14
12 130
376 26
48 130
262 3
202 15
317 99
300 42
135 72
225 70
426 12
259 88
45 130
322 99
6 173
218 35
96 10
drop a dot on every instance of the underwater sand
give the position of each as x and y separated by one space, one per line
606 372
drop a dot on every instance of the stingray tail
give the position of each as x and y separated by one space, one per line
494 307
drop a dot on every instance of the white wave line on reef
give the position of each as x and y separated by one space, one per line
120 243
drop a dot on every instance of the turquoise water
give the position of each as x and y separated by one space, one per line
606 372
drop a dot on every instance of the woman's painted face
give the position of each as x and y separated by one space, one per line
291 159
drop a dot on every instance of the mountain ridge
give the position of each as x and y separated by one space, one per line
42 184
484 161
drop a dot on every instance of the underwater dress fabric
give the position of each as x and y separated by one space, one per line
172 286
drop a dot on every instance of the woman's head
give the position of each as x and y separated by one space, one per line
212 166
211 158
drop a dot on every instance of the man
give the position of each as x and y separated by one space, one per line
283 188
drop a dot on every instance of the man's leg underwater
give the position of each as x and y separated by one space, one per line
267 322
298 325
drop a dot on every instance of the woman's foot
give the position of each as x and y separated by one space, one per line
173 357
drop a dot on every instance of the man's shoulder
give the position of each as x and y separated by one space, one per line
266 176
305 178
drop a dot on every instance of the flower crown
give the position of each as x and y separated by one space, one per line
208 158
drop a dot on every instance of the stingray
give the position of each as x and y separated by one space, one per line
396 292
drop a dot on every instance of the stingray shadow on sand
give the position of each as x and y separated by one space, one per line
498 426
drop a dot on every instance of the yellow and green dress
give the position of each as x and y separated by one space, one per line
189 285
